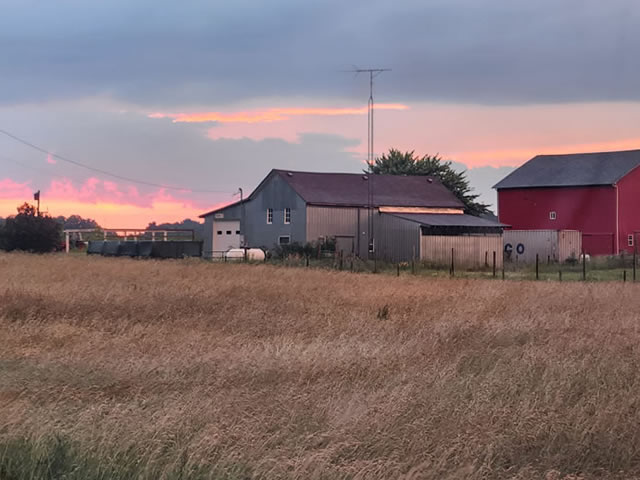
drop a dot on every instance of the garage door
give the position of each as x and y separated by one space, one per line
226 235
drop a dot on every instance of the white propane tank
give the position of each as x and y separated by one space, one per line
238 254
255 254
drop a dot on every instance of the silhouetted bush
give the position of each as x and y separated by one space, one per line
30 232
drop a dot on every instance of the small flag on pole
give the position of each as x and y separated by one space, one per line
36 196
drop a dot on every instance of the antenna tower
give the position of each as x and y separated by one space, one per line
373 73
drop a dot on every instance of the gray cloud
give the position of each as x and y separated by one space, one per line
161 54
156 151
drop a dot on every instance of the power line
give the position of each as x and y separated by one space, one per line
104 172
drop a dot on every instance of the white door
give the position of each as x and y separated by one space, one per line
226 235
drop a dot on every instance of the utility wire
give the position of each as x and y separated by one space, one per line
104 172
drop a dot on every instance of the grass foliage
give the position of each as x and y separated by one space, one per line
129 369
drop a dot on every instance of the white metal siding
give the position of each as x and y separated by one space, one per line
469 251
554 245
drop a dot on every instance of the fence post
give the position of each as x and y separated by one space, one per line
584 267
494 264
537 267
341 258
635 253
452 271
624 276
351 265
398 265
502 264
486 259
560 275
307 260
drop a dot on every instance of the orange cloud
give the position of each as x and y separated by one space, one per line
270 115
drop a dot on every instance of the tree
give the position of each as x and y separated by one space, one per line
187 224
397 163
30 232
77 222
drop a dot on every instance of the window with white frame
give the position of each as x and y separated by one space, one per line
552 215
630 240
284 240
287 215
269 215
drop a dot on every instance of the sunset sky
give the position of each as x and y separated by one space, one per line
208 96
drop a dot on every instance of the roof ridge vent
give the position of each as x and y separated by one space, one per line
289 174
365 177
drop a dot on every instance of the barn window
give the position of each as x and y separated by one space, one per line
284 240
552 215
287 215
219 232
237 232
269 215
228 232
630 240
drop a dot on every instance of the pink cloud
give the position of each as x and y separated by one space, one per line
12 189
111 204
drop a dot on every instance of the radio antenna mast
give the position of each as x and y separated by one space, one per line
373 73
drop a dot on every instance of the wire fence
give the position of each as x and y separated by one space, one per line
620 268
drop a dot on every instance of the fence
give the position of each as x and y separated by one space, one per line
622 268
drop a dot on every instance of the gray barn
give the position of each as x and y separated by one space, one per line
389 213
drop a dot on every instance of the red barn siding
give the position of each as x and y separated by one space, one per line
591 210
629 209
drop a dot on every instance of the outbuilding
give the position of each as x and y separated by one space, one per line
597 194
386 216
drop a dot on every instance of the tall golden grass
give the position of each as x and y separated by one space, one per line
142 369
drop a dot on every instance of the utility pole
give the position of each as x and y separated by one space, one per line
243 242
373 72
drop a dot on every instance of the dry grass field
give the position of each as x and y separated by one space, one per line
125 369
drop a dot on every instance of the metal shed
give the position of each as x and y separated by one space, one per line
433 237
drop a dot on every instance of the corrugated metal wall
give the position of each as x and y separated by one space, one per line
569 244
523 245
398 240
469 251
340 221
553 245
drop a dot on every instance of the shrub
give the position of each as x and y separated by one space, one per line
30 232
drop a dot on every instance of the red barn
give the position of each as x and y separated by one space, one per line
595 193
